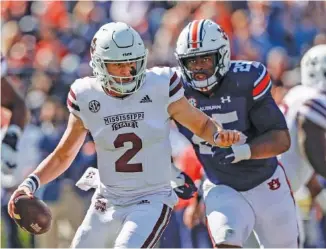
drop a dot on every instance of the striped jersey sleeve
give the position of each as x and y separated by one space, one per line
315 110
176 90
263 83
72 102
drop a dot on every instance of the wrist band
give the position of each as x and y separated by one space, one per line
242 152
32 182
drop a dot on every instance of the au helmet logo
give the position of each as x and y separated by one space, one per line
94 106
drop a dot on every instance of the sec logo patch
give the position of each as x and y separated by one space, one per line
94 106
192 101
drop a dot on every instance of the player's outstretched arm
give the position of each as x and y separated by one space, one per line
201 125
56 163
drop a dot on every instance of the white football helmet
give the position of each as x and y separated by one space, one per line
313 67
116 42
203 37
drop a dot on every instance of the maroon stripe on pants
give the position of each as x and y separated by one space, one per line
160 220
163 228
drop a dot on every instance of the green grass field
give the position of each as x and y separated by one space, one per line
23 236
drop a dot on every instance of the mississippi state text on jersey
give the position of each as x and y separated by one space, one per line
241 101
310 103
131 134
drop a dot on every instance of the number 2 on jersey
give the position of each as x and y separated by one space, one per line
122 165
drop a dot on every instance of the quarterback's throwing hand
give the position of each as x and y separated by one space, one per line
21 190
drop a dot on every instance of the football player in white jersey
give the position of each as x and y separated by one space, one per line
304 107
127 110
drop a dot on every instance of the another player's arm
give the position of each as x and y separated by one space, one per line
275 138
201 124
312 143
270 144
13 101
57 162
268 120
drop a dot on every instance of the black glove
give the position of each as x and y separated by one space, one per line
188 189
9 150
223 155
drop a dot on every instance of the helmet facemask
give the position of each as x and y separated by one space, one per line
118 84
213 77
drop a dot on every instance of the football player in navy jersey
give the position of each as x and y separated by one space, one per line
246 188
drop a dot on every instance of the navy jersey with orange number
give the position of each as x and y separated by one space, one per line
241 101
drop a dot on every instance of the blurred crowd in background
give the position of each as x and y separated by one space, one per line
46 44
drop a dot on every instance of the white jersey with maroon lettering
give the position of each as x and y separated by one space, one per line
311 103
131 134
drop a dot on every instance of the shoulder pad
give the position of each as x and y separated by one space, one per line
255 75
76 89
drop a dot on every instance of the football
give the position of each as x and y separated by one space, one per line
32 215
